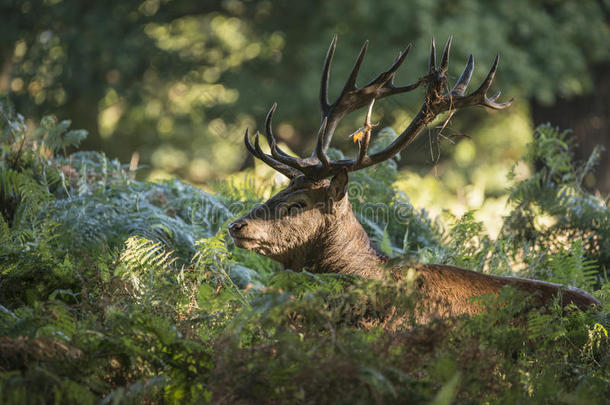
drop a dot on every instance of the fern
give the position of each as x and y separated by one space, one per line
114 290
141 253
213 255
555 190
55 135
21 197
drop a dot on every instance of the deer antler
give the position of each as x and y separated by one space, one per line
352 98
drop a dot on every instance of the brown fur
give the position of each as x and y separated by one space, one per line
324 236
452 289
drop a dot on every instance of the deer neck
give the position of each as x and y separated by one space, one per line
341 246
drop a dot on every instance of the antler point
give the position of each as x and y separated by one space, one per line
432 57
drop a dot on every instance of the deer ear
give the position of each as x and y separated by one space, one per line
338 185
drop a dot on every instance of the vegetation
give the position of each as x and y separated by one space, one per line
177 81
114 290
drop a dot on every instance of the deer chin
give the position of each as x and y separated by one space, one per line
251 244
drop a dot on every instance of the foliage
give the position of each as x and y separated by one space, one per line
179 80
556 191
119 291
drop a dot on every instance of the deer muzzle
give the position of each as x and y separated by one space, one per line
242 234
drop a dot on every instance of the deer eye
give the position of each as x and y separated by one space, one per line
297 207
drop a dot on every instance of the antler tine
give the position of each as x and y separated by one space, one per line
279 166
319 151
271 140
257 152
479 96
482 90
445 60
268 129
279 159
462 83
324 105
402 55
490 76
278 154
432 59
497 106
487 102
388 76
295 163
350 83
249 146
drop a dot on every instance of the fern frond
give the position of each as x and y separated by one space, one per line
141 253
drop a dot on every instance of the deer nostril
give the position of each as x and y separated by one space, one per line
237 225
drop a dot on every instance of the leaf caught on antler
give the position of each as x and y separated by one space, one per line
357 136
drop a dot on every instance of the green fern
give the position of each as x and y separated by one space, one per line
114 290
556 190
141 254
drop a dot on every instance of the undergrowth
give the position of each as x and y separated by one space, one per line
119 291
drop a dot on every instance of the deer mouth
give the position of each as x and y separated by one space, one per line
244 242
241 238
252 244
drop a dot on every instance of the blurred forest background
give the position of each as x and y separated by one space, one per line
175 82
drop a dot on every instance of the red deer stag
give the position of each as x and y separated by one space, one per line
310 224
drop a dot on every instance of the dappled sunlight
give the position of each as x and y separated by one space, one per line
200 170
183 99
245 185
436 197
211 45
156 175
108 120
169 157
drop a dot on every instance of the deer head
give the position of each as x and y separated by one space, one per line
296 223
310 223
